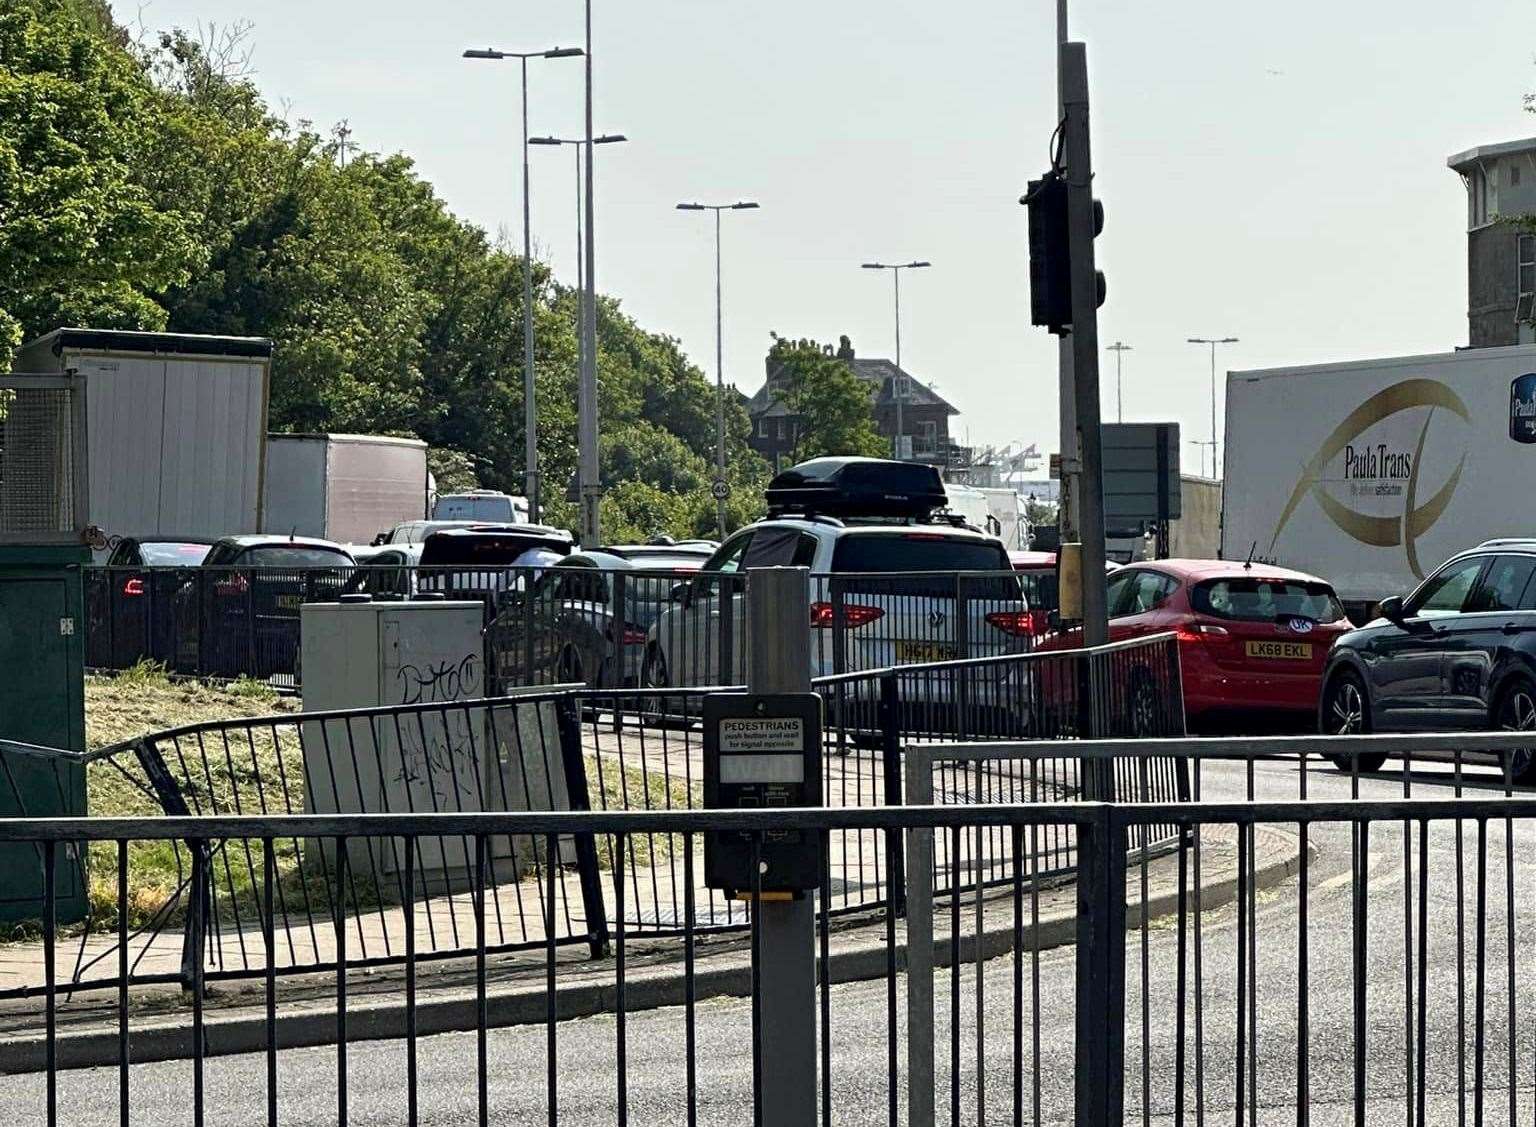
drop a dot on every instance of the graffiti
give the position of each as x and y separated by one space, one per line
440 681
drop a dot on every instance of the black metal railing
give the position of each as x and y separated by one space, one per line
562 749
1360 958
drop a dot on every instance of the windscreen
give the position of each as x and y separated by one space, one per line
1265 600
475 508
173 555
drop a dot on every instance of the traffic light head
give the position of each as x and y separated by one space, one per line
1050 253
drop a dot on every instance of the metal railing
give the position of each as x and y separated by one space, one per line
1360 988
553 749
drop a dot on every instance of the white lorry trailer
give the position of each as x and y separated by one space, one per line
175 428
1370 474
343 487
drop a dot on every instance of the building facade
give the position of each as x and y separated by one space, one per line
924 415
1501 255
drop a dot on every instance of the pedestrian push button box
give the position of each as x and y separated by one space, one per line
762 751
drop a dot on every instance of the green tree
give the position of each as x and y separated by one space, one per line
830 406
82 241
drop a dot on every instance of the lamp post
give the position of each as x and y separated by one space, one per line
530 414
1213 342
588 474
896 269
719 487
577 143
1119 350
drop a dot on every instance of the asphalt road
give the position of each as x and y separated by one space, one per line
235 1086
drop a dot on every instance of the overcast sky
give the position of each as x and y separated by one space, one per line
1270 172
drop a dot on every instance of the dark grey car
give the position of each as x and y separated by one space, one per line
1457 655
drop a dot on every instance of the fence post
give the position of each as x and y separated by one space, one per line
919 895
890 752
527 576
1101 848
1098 772
574 764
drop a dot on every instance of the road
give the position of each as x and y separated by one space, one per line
516 1089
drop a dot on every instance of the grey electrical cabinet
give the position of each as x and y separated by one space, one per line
438 749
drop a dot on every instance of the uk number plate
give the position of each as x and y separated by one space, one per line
924 651
1282 651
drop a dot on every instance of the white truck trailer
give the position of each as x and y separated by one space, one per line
175 428
1370 474
343 487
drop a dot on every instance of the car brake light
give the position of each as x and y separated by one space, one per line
854 615
1020 623
1201 632
134 586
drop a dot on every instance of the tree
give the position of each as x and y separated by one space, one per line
82 239
830 406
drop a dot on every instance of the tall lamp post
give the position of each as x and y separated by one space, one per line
1213 342
530 414
588 473
1119 350
578 143
896 269
719 487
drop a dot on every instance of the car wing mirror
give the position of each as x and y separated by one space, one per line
1392 610
679 593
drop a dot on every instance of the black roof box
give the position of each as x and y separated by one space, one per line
857 487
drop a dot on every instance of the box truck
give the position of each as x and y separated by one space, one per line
343 487
175 426
1370 474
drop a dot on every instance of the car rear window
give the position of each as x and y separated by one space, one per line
293 556
1265 600
927 552
173 555
483 549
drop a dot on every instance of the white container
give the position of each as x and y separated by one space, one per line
175 428
1371 474
343 487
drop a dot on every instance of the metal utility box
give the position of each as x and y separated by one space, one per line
42 635
175 427
343 487
762 750
362 654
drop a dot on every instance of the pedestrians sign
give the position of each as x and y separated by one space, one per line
719 489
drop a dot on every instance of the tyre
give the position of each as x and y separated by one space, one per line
1146 712
660 710
1346 712
1515 711
568 669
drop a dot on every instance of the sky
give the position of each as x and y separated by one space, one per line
1274 173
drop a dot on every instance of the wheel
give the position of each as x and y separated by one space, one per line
568 669
1146 717
1516 712
1345 713
659 710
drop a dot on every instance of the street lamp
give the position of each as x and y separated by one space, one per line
1119 350
719 487
530 415
1213 342
896 269
577 143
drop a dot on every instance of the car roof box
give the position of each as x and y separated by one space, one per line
857 487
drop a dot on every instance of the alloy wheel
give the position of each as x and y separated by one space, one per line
1517 713
1346 709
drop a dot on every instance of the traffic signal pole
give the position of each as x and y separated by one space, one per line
1082 227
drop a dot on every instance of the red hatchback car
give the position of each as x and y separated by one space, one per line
1252 639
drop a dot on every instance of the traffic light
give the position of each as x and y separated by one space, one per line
1050 255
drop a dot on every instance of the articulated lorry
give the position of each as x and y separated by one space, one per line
1371 474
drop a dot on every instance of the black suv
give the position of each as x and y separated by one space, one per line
1457 655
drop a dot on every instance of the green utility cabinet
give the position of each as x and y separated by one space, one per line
44 540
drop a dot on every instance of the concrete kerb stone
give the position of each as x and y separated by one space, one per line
856 953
